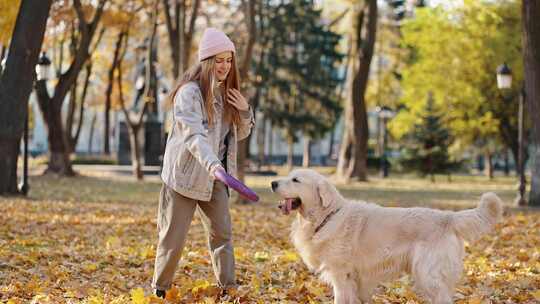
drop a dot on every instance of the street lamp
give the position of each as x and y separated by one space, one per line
384 113
43 67
504 81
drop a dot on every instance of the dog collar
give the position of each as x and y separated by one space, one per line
326 219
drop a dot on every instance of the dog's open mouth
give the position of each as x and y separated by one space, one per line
289 204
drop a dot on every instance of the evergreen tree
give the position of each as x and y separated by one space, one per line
297 70
427 151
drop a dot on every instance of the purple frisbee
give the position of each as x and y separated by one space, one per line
237 185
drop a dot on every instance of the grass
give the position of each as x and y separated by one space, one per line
91 239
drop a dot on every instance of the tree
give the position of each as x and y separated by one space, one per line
352 161
180 32
62 34
118 20
453 54
16 84
531 61
245 63
300 74
9 11
427 151
51 106
134 120
74 123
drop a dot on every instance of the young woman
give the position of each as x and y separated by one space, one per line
209 116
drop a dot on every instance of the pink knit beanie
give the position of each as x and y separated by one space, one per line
213 42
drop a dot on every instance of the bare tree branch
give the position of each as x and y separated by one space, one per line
339 17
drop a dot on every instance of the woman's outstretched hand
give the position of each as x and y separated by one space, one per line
238 186
235 98
215 169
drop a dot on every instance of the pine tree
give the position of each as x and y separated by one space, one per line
428 150
297 70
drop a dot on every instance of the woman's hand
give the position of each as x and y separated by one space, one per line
216 168
237 100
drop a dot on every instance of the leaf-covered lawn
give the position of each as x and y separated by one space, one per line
92 240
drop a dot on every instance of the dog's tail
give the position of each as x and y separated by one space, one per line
473 223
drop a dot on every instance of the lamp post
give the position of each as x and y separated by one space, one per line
384 113
504 81
43 67
42 73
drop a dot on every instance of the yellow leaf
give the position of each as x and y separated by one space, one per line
536 294
97 299
261 256
315 290
475 300
208 300
200 285
148 252
112 242
239 253
89 267
521 218
289 256
40 298
137 296
255 283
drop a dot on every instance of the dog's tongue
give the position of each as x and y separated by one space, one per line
286 206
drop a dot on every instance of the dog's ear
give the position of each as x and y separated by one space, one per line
327 193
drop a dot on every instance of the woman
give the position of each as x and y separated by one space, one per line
210 116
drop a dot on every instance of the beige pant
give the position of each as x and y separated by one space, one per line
174 218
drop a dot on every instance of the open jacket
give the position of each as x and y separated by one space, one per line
192 146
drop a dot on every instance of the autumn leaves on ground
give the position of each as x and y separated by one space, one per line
92 240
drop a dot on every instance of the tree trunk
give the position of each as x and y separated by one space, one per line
108 93
243 145
188 36
506 163
59 158
174 34
76 104
270 144
531 58
290 153
261 140
70 117
180 39
107 127
135 126
509 136
59 161
489 165
16 84
9 149
74 138
135 151
91 135
50 107
307 152
330 151
353 154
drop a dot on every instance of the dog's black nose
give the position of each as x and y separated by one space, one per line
274 185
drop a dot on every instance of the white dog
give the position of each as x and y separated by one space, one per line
354 246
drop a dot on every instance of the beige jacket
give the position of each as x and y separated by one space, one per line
192 146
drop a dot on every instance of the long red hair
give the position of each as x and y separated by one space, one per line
203 74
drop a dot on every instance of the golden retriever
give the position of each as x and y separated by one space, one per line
354 246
